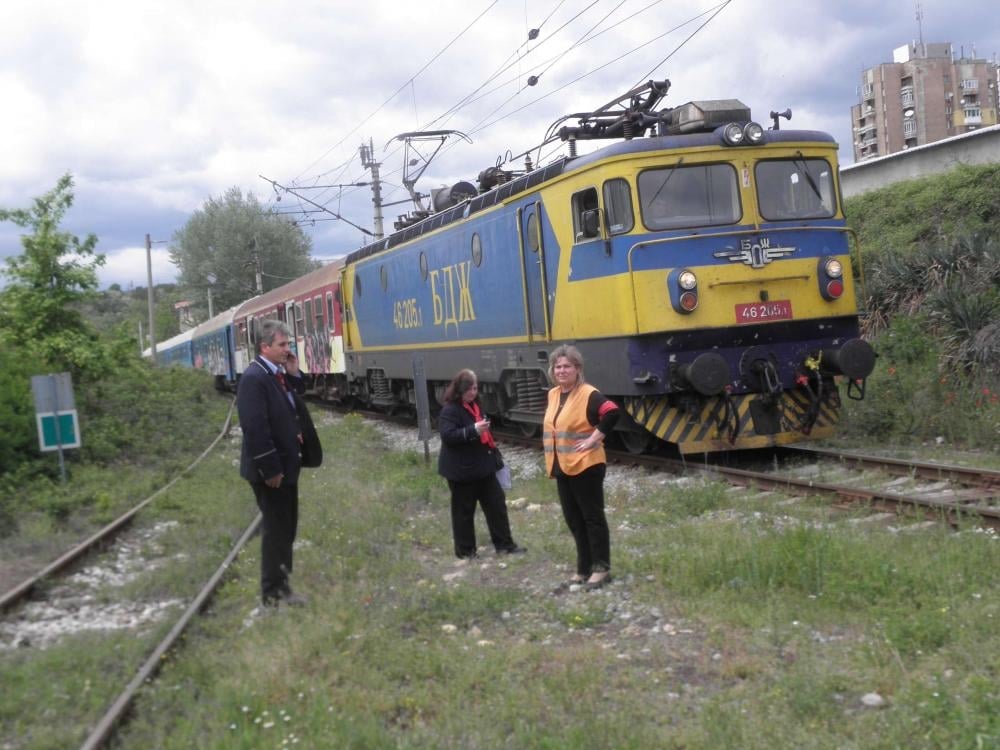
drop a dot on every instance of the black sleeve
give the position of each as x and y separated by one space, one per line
453 432
594 406
297 382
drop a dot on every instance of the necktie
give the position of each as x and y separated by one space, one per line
281 379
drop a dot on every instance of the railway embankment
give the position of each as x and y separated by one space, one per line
737 618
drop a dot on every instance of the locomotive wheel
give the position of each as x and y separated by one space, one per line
528 429
635 442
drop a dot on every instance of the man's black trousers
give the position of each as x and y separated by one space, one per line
280 510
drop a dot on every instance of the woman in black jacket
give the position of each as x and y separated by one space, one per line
468 460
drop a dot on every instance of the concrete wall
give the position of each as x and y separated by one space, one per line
976 147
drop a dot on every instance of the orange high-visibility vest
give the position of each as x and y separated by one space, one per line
573 427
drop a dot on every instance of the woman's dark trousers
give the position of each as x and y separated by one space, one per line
582 500
490 495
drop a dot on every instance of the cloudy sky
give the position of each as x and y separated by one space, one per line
156 105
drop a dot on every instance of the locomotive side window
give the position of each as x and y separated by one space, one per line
383 274
357 283
795 189
584 212
532 231
690 196
477 250
618 206
423 265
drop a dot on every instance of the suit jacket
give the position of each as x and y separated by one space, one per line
463 457
270 426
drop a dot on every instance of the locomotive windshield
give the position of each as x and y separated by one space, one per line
689 196
795 189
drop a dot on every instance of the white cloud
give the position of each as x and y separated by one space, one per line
127 267
155 105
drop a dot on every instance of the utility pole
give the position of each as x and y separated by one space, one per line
368 162
210 278
149 297
255 261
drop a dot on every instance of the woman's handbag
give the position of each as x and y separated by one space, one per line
503 471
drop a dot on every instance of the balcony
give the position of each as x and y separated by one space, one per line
868 91
906 96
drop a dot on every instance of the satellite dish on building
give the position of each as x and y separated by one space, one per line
908 113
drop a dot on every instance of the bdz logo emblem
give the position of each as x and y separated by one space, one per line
755 254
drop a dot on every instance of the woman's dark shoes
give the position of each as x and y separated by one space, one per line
598 580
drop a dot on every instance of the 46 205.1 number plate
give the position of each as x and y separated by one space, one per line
764 312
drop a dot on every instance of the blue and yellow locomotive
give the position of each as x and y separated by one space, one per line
701 264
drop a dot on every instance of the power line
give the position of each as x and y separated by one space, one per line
397 91
600 67
674 51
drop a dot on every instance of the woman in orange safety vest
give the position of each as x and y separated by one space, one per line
577 419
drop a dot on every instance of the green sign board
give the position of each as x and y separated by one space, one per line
53 436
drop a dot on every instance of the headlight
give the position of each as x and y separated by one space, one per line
834 268
753 132
687 280
733 134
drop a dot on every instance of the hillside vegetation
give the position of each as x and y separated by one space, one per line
931 263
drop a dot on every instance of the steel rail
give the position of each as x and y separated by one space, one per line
924 469
106 726
19 592
951 511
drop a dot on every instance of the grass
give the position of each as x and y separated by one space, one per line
737 620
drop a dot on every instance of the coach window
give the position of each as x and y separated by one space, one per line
699 195
477 249
618 206
584 204
329 308
318 310
795 189
308 315
299 325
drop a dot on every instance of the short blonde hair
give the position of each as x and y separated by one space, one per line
571 353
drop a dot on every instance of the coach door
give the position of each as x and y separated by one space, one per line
533 268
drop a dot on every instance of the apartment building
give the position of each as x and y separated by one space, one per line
924 95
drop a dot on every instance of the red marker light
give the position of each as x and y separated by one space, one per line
835 288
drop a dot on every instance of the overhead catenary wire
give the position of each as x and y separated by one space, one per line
507 65
479 128
708 20
546 65
397 91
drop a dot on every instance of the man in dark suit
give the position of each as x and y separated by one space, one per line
271 458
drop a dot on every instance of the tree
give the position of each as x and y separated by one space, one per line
47 282
225 240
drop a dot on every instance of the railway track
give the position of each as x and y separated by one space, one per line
104 729
103 536
955 494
